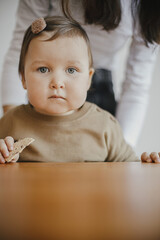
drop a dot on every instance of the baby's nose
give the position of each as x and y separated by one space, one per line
57 84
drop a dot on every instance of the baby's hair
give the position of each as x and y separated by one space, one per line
59 26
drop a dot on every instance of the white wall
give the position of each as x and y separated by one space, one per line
7 22
149 139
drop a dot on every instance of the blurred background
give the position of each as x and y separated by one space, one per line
149 138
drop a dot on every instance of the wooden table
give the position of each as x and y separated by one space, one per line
80 201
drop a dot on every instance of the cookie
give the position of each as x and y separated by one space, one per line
18 147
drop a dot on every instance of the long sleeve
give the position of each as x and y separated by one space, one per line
12 90
118 149
135 91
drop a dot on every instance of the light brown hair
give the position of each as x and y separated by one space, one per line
60 26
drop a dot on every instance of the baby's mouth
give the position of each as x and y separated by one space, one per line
56 97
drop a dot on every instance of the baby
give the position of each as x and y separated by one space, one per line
56 69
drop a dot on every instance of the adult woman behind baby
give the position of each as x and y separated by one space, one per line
106 41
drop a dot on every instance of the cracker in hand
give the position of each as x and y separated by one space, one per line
18 147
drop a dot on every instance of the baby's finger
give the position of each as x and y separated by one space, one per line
146 158
2 159
16 157
3 148
9 142
155 157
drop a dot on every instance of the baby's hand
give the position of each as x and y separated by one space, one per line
6 145
150 158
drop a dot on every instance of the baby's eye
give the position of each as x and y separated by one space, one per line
43 69
71 70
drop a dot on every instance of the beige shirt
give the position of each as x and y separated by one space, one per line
89 134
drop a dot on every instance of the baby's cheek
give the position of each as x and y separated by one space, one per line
35 98
78 100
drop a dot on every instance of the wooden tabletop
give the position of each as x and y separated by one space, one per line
80 201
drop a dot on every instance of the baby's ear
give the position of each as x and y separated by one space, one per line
23 81
91 72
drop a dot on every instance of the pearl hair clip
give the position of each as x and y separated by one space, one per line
38 25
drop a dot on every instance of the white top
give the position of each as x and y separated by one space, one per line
132 105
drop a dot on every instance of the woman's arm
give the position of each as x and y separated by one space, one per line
134 99
12 91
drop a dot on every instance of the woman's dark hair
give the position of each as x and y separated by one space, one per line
149 18
107 13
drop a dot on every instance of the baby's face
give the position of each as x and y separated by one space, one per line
57 74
